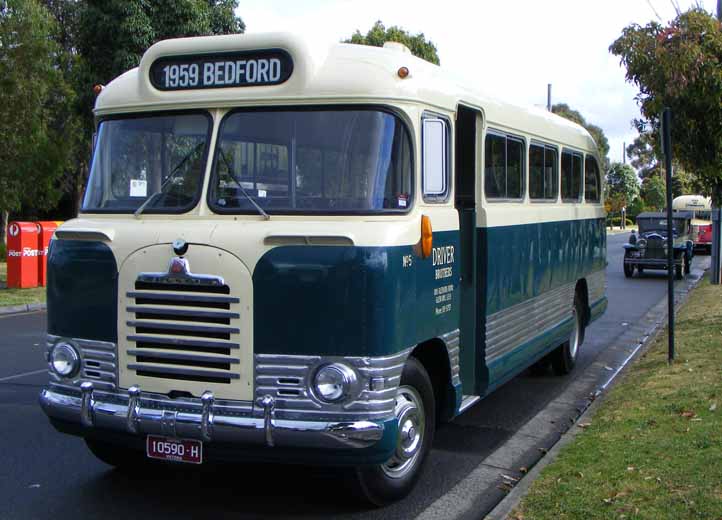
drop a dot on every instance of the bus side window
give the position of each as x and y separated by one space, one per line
591 179
435 159
571 176
503 167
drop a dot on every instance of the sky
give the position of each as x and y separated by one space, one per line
511 49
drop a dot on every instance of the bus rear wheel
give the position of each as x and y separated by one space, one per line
565 357
384 483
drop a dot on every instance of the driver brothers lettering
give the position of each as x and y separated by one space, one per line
443 258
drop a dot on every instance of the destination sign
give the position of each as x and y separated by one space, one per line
221 70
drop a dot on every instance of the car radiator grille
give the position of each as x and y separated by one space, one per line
183 332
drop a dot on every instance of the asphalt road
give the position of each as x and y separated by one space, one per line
47 475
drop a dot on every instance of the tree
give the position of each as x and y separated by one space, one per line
379 34
33 153
622 181
654 192
680 66
112 36
643 153
565 111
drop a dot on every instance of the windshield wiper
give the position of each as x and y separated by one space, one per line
266 216
167 180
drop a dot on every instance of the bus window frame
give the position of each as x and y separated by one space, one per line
389 109
599 179
155 113
543 144
439 198
580 197
524 172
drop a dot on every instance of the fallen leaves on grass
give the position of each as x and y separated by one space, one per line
688 414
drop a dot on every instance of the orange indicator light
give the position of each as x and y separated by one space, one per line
403 72
426 236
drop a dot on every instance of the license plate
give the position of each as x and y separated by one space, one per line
175 450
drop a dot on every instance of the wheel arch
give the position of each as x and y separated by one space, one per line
433 354
582 290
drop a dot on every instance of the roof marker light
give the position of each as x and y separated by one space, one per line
403 72
97 89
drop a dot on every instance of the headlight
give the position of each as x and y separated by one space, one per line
333 382
64 360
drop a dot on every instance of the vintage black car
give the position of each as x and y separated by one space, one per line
648 248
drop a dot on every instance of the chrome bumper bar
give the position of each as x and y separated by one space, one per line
127 413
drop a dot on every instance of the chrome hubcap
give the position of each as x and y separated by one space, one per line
574 336
409 412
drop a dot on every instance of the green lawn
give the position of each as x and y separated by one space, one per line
654 448
18 296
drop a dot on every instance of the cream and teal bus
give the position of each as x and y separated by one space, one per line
313 254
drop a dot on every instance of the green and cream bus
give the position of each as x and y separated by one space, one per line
293 253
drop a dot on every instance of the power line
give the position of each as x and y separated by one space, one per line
649 3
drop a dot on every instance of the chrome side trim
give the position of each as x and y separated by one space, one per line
97 363
110 411
451 340
467 401
287 379
515 325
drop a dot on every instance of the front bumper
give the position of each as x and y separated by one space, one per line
136 414
652 263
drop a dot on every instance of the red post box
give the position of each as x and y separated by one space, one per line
22 255
46 230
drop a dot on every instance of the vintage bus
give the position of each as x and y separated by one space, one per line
701 208
293 253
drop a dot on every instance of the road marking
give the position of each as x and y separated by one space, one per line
25 374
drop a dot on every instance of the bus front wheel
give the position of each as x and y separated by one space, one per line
384 483
565 357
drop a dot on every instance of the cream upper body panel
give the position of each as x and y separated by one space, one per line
336 73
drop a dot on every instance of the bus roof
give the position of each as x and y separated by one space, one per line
340 73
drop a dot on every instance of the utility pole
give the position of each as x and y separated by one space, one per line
549 91
624 147
667 150
719 10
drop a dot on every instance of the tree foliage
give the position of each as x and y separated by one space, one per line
32 94
565 111
680 66
654 193
379 34
622 182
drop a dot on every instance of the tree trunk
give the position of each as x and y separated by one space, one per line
4 217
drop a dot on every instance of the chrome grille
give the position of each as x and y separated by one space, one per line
97 363
182 331
288 378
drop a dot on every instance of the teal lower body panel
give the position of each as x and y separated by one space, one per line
507 366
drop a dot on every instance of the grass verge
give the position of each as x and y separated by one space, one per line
18 296
654 447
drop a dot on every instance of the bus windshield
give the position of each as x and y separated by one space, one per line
156 162
312 161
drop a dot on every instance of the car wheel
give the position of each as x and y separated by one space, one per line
640 270
678 272
628 270
384 483
117 456
565 356
687 265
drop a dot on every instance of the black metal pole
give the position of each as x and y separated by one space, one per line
667 148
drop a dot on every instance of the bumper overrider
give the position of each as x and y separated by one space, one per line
284 414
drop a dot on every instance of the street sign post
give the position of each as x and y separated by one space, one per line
666 132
